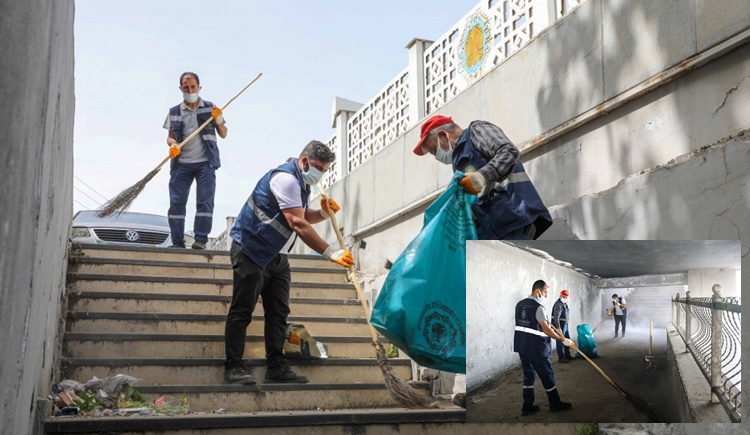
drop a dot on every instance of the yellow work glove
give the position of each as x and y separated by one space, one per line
174 151
473 183
325 211
339 256
216 114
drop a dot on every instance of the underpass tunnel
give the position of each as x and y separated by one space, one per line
650 363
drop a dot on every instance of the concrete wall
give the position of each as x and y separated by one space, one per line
701 282
498 276
36 160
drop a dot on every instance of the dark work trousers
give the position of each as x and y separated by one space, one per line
541 365
561 347
180 179
618 320
249 282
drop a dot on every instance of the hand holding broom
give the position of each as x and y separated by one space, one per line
120 203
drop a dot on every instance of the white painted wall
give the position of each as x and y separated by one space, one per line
498 276
700 282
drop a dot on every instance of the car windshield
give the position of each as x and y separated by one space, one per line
89 216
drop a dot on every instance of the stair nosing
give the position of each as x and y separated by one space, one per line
187 264
86 294
87 315
75 277
254 362
114 336
203 252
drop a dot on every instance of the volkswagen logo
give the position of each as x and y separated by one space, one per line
132 235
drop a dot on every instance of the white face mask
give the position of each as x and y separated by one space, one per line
443 156
312 175
190 98
542 299
564 300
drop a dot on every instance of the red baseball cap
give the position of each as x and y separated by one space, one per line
564 293
433 122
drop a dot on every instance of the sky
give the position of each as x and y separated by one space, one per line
129 56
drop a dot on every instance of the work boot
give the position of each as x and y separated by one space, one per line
198 245
284 375
529 411
570 358
178 245
239 375
560 406
563 361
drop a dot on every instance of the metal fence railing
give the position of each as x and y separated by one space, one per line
711 330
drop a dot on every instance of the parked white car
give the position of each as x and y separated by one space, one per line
132 229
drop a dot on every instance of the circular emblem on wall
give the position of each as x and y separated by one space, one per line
441 328
132 235
475 45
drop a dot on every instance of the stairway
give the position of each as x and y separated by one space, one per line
158 315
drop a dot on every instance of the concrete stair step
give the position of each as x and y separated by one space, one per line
114 345
80 282
211 371
164 323
138 267
360 421
181 255
203 304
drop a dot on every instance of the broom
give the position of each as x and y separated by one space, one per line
404 394
120 203
603 319
638 403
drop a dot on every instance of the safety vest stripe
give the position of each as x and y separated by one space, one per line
267 220
550 389
515 177
175 118
204 214
530 331
210 137
174 216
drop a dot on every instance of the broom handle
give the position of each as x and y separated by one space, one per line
199 129
360 295
603 319
594 364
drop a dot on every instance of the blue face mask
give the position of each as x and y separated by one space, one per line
443 156
312 175
190 98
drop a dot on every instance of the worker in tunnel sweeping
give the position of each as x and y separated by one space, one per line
508 206
531 340
561 319
270 221
621 313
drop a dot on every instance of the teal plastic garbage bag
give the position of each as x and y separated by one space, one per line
586 342
422 305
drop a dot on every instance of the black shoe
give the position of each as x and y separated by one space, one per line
198 245
562 406
615 335
460 400
563 361
284 375
178 245
570 358
239 375
529 411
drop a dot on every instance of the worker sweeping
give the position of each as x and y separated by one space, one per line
508 206
272 218
531 340
197 160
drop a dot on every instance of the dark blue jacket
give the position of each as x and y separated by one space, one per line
508 206
261 227
624 310
529 339
207 135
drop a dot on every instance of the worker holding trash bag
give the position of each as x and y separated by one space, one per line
531 340
508 206
272 218
560 319
197 160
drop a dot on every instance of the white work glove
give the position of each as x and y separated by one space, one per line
339 256
473 183
568 343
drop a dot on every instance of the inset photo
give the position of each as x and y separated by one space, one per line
603 331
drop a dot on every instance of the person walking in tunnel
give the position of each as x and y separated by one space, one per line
620 312
269 223
531 340
561 319
197 160
508 206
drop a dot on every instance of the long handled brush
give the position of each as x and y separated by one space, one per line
404 394
603 319
638 403
120 203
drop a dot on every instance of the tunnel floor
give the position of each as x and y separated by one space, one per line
594 399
